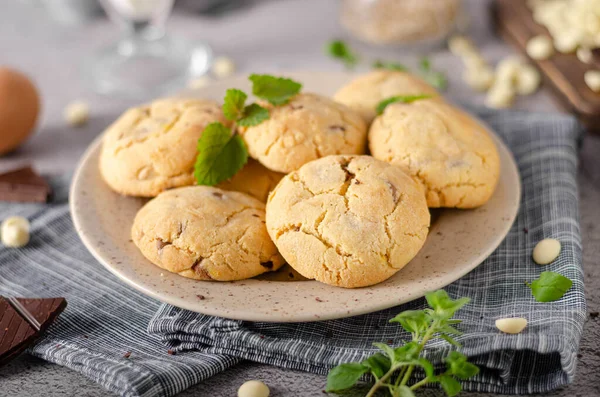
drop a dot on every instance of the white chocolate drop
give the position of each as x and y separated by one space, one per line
528 80
546 251
14 232
223 67
253 388
512 325
540 47
77 113
500 96
592 79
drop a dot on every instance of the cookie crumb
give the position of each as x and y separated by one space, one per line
319 299
525 230
170 352
127 355
201 297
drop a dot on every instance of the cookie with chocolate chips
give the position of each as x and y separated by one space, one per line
308 127
152 148
206 233
348 221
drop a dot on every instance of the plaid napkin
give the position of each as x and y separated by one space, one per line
102 333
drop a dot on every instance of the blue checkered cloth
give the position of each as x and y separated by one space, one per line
106 319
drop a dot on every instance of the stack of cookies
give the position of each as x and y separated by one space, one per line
310 195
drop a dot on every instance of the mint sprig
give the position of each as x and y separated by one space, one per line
379 64
233 103
550 287
392 368
252 115
275 90
435 78
339 50
399 98
221 155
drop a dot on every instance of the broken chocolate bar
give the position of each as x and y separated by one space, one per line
24 185
22 321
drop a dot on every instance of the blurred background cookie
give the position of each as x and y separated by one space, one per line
254 179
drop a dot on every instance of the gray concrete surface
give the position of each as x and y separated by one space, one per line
277 35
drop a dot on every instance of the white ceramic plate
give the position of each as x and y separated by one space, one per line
458 242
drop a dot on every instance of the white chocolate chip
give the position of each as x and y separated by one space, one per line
546 251
223 67
592 79
77 113
528 80
508 69
584 55
540 47
480 79
460 45
566 42
253 388
15 232
511 325
500 96
199 82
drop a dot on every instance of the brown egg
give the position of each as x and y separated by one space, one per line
19 109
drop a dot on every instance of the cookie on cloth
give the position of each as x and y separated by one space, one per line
254 179
308 127
364 93
206 233
152 148
348 221
451 153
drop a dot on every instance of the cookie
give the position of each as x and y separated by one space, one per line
348 221
152 148
308 127
365 92
254 179
446 149
206 233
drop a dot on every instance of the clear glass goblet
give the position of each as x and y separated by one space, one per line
146 61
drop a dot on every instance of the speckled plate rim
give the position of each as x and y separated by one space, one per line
439 263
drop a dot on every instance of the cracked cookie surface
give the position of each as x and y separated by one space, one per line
348 221
254 179
152 148
364 93
445 148
308 127
206 233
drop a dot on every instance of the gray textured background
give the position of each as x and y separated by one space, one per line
264 37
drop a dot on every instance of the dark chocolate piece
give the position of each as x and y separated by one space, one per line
20 320
24 185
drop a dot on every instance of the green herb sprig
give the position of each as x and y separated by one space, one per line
392 368
339 50
379 64
398 98
435 78
221 151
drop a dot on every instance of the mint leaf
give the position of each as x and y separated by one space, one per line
425 64
443 306
337 49
275 90
450 385
221 155
404 391
398 98
408 352
413 321
233 104
344 376
459 366
378 364
550 287
433 77
388 350
253 114
389 66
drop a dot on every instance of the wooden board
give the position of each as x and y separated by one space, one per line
563 73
